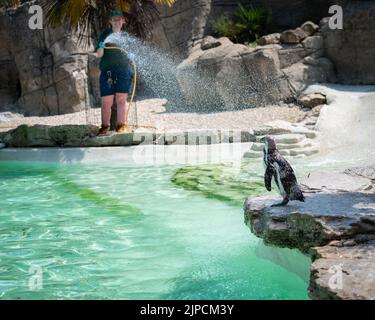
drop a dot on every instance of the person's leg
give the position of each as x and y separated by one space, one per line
121 108
107 93
123 80
107 102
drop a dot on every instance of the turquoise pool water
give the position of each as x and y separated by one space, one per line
111 231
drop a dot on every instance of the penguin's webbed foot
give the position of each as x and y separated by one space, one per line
281 204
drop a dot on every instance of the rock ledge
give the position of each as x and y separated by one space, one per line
336 228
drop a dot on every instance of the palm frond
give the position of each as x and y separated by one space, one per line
167 2
90 16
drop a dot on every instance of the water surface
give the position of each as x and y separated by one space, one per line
126 231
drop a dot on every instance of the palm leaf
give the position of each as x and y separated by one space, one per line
90 16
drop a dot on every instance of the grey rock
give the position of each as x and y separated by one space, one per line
316 60
314 43
114 139
293 36
323 217
313 100
47 136
300 75
353 263
310 27
47 69
72 135
352 49
291 54
232 76
210 43
335 182
272 38
335 225
24 136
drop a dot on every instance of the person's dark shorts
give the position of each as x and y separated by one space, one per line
116 80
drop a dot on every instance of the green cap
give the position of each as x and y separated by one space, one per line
117 13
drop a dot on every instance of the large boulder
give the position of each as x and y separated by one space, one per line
337 182
314 43
335 225
49 70
312 100
310 28
232 76
344 270
323 217
352 49
221 75
293 36
47 136
291 54
273 38
307 72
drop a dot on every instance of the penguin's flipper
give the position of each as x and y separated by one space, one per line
281 204
268 177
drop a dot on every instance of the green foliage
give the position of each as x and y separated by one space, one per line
225 27
246 26
9 3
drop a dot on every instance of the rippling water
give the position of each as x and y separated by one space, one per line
121 231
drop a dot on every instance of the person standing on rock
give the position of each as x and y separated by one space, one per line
116 76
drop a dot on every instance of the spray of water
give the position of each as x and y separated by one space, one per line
156 70
191 87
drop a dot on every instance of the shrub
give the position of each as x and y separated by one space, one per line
247 25
225 27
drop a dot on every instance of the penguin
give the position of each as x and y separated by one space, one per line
281 171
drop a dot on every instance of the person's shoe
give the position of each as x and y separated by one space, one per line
104 130
121 128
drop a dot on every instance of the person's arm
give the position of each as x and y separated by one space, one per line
100 51
100 48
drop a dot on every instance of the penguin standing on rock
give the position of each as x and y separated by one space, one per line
281 171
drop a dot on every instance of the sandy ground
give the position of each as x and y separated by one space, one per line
153 112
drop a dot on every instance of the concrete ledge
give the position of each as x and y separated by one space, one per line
86 136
